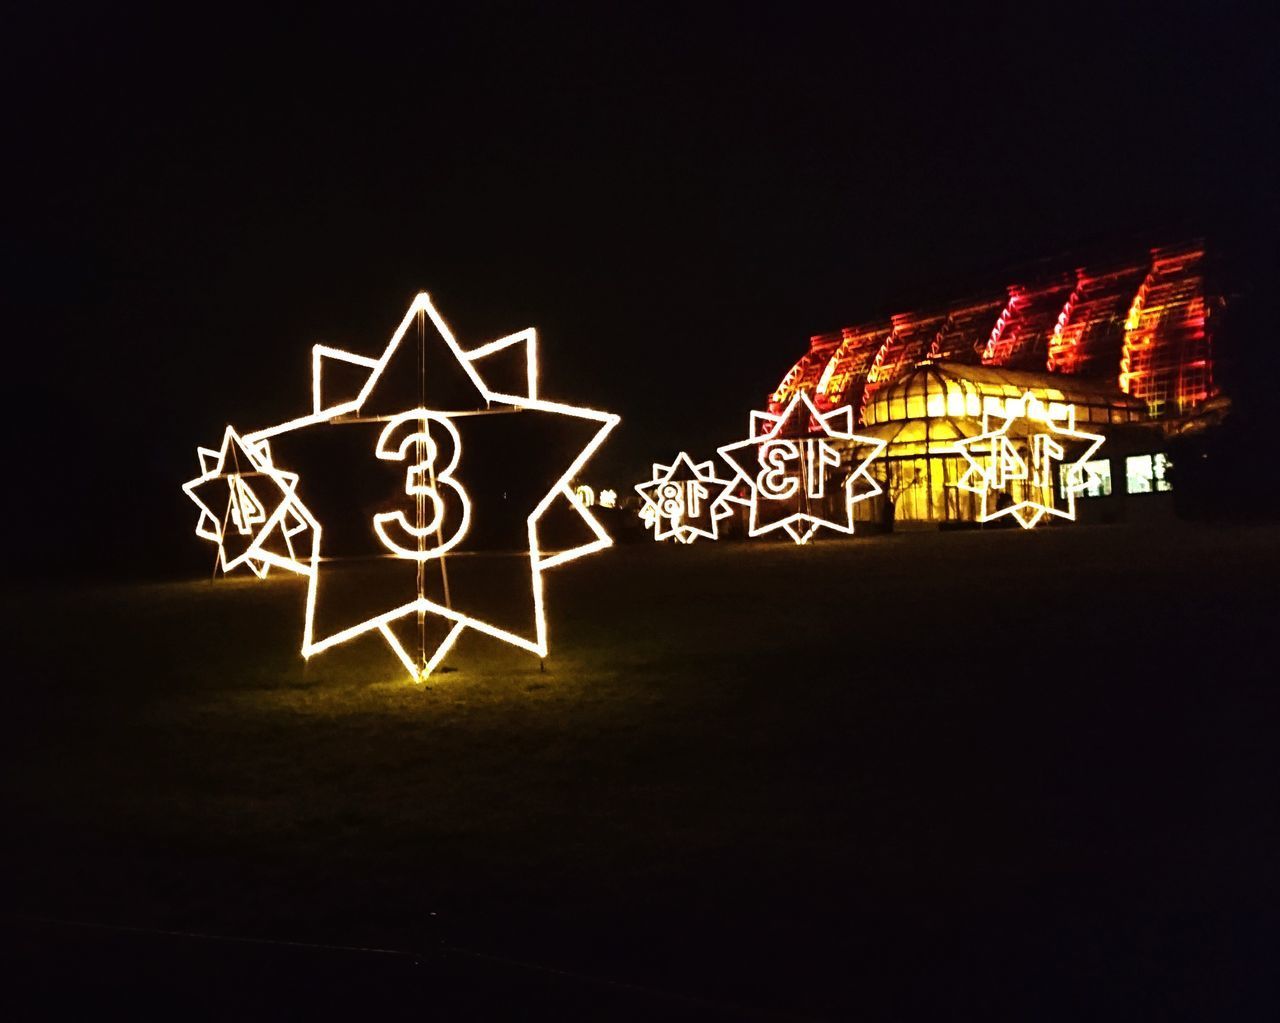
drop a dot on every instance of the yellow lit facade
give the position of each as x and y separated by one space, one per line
926 415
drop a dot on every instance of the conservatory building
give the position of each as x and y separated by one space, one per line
1125 347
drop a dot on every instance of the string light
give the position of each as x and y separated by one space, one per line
995 459
782 472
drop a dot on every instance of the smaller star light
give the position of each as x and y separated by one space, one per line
684 500
1020 461
248 507
790 462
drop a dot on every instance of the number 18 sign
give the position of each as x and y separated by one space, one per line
684 500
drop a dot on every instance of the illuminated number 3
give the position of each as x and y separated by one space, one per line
775 480
423 479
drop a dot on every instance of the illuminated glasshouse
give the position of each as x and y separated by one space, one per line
1128 345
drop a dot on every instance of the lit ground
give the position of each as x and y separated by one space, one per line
951 773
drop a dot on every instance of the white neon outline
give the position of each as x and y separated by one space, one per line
836 424
988 470
413 485
651 509
539 562
318 354
289 514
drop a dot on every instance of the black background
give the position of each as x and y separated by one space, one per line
677 198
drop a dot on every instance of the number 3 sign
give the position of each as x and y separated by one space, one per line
423 481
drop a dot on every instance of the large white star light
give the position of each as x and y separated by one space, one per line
1014 468
248 507
790 464
684 500
432 519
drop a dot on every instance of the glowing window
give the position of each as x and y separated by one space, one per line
936 406
1146 474
973 404
955 404
1097 480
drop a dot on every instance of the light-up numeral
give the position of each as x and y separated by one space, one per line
681 499
1006 463
816 465
671 501
776 480
1044 452
694 494
424 478
246 509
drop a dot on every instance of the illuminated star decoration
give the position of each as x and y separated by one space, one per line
427 442
996 459
785 465
684 500
248 507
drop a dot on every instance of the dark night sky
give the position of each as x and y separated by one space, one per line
676 202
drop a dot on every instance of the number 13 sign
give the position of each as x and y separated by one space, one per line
778 478
787 465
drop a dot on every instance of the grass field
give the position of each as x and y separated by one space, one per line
946 773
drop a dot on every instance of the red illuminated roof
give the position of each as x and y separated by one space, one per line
1141 324
1165 359
1089 334
1020 337
906 344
